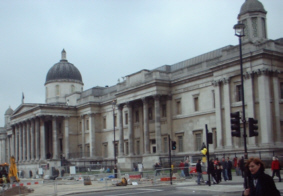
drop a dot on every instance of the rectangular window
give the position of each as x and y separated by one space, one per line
180 143
116 149
196 103
149 113
115 120
198 139
163 110
138 147
105 150
281 90
137 116
165 144
127 147
87 124
213 99
239 93
104 122
178 107
126 118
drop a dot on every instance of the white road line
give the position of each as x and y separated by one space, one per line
146 191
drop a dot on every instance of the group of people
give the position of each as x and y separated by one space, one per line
218 169
184 167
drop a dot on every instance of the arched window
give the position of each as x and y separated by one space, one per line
72 88
57 90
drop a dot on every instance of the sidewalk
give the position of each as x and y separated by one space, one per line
65 187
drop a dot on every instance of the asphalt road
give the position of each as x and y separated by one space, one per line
159 191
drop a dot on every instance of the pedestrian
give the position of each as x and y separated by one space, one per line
186 168
211 171
259 183
30 173
181 166
62 172
199 171
229 168
140 168
218 170
157 169
275 167
235 164
242 166
224 169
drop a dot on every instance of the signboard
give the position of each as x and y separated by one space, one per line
72 170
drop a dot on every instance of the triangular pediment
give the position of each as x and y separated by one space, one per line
24 107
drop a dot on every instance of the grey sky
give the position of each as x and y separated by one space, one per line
109 39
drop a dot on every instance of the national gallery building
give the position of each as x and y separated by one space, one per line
137 116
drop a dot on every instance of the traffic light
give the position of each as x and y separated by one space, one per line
252 127
203 149
235 124
174 147
209 138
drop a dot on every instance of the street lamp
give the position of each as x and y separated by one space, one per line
239 32
114 144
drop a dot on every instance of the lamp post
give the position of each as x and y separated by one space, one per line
239 32
114 143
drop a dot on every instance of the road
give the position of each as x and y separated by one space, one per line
159 191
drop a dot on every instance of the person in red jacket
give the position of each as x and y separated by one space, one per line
275 167
181 166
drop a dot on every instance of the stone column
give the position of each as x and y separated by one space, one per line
121 130
249 99
13 143
55 138
9 148
32 139
66 137
157 123
37 138
24 141
146 129
20 143
228 136
265 108
28 140
4 153
218 115
17 143
42 140
276 91
92 136
130 129
83 136
169 114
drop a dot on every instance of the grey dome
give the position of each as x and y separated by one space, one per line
252 6
63 71
9 111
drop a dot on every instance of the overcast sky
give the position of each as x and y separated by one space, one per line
109 39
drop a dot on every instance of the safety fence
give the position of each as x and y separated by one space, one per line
102 181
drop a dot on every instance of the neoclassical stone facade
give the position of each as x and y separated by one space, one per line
150 105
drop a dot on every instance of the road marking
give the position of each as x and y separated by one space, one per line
142 191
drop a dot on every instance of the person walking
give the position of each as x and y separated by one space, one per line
140 168
260 184
229 168
224 169
186 168
275 167
242 166
199 171
218 169
181 166
211 171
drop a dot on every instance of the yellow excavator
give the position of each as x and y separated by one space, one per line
9 174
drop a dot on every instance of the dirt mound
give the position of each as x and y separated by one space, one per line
18 190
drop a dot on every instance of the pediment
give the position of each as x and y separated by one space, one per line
23 108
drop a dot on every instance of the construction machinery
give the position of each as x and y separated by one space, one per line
9 173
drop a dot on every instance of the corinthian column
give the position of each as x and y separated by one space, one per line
130 129
157 124
55 138
145 122
92 136
32 139
66 137
28 140
121 133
